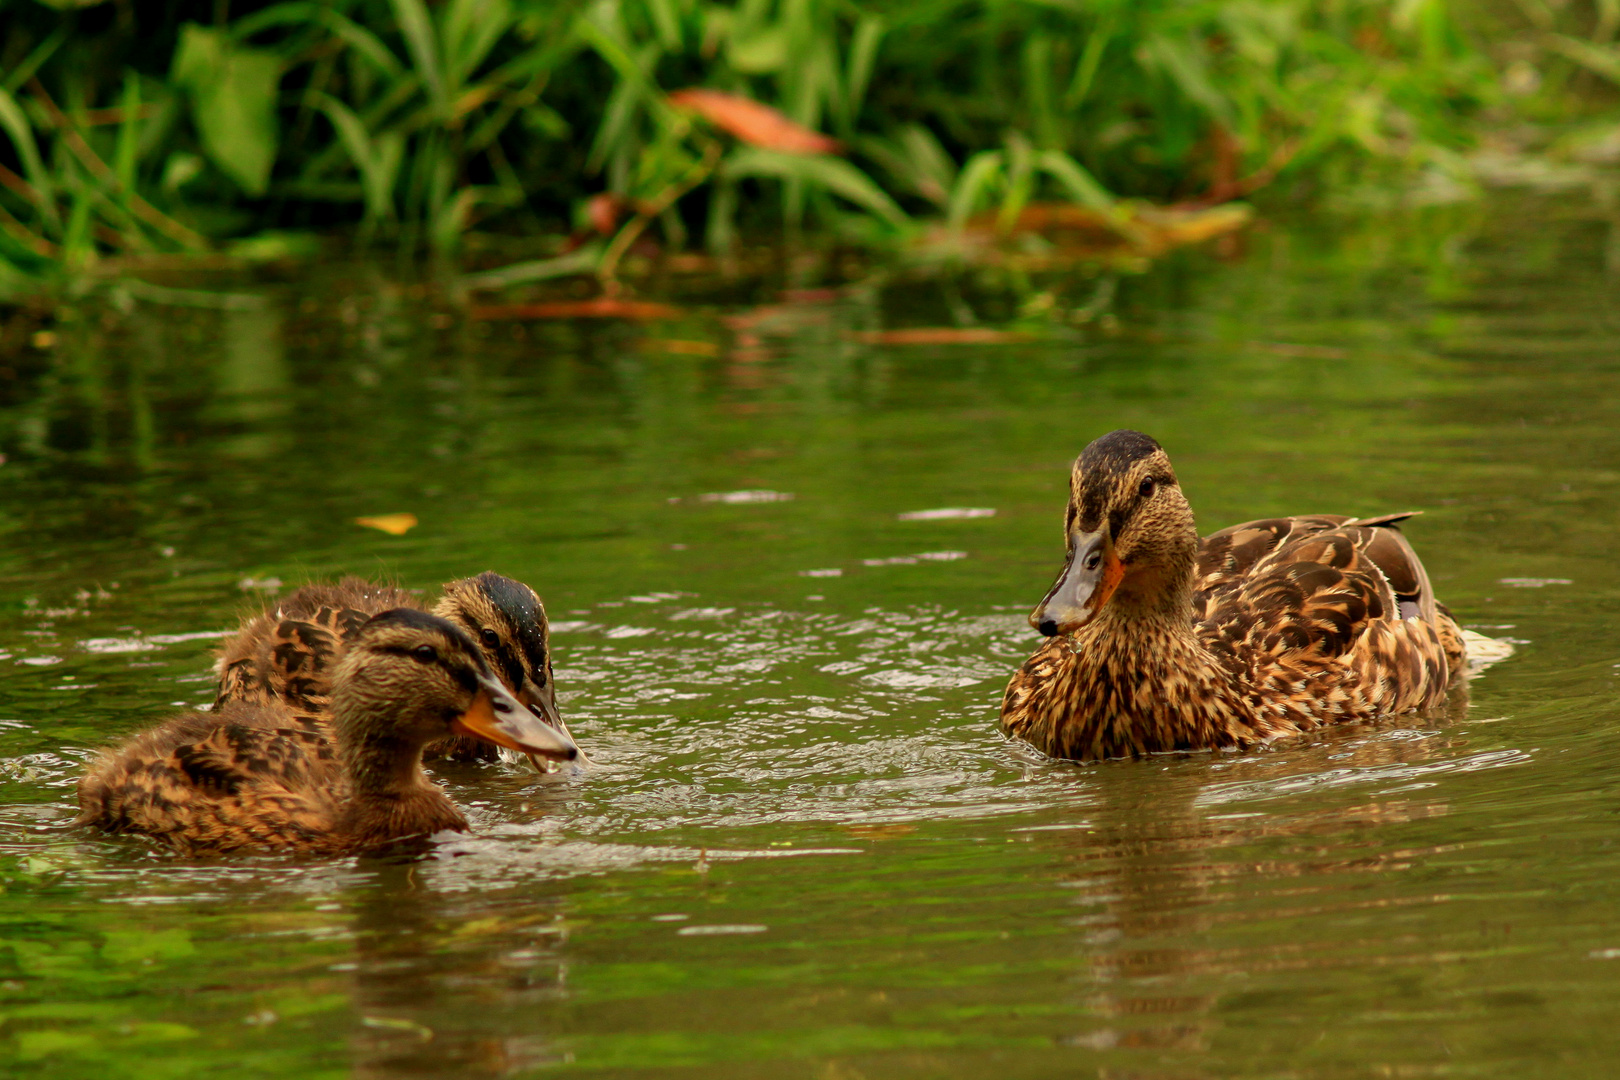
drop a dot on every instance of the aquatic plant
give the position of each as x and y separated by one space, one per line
133 132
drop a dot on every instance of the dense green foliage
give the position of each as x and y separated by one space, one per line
127 129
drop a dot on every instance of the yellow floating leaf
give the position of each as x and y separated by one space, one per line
392 524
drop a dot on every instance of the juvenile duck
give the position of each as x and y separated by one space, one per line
1160 641
286 654
259 776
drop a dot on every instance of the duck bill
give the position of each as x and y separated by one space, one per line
542 701
1088 579
498 717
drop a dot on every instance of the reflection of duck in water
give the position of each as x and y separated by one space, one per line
286 655
261 776
1161 641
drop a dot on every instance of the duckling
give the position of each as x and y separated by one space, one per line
1160 641
286 654
260 776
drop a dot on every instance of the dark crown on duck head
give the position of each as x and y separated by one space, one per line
1099 466
490 601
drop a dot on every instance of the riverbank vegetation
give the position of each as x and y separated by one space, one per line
552 138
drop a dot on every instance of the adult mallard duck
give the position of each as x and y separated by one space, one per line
1160 641
286 654
261 776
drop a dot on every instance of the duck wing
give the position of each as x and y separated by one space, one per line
1235 559
1304 602
286 654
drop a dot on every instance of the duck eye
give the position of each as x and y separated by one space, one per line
491 639
1147 487
425 653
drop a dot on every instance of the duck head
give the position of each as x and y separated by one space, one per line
410 678
1131 538
508 621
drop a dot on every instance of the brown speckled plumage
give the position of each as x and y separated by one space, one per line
1259 631
286 654
263 776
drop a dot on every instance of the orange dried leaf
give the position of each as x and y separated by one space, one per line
603 307
753 123
392 524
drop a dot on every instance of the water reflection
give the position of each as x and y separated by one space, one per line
460 984
253 380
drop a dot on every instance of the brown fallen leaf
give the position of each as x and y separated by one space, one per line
754 123
392 524
603 307
941 335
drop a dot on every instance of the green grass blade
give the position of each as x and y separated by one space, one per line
296 13
365 44
582 261
863 50
835 174
1090 57
124 159
1594 58
631 67
981 173
1077 183
666 22
471 29
15 122
1020 184
376 161
416 25
1038 87
37 58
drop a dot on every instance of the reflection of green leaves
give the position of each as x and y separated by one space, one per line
135 946
51 1042
233 102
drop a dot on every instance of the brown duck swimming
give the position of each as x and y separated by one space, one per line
1161 641
287 653
260 776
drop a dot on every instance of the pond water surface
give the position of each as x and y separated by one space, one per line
802 848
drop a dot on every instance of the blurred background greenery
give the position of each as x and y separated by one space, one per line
139 131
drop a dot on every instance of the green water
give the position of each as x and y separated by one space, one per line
803 850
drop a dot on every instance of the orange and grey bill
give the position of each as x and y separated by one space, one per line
497 717
1090 576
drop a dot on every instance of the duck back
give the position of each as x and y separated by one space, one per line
286 655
